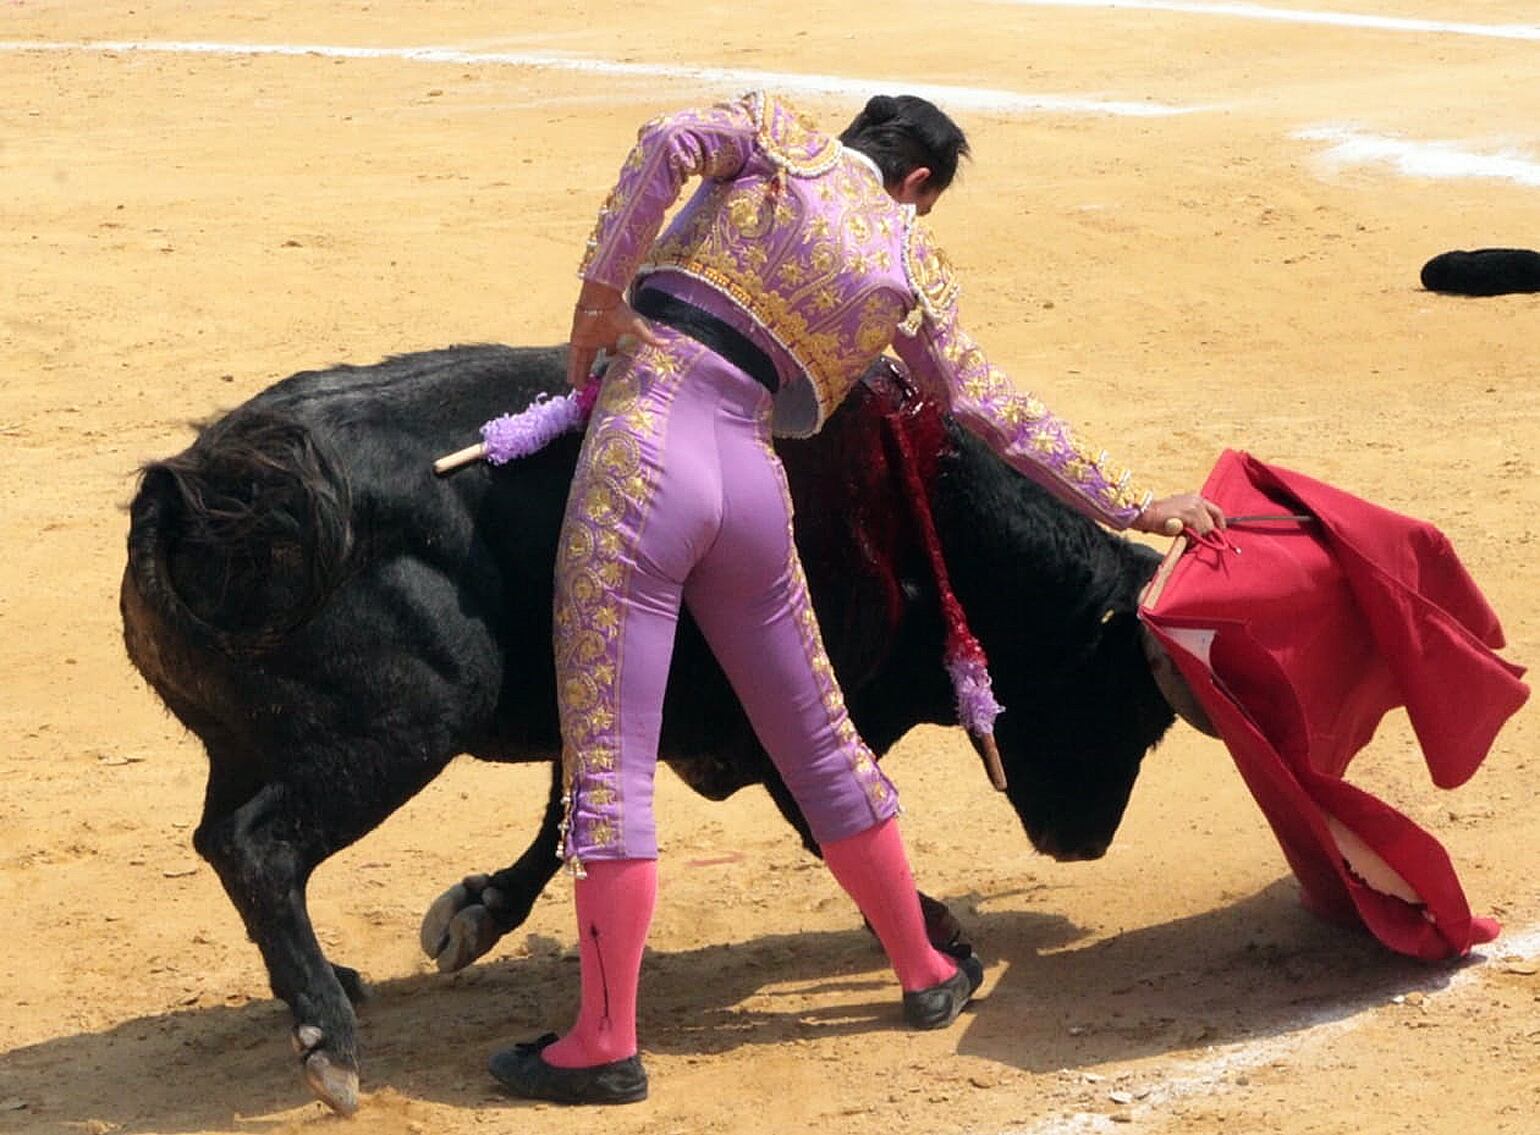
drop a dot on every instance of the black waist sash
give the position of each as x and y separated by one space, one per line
710 332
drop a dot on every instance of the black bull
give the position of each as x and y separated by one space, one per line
335 624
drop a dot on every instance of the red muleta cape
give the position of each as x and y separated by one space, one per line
1297 637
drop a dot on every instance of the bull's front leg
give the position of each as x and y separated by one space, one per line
470 917
941 926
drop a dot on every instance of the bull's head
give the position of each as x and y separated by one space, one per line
1072 751
1051 595
1070 790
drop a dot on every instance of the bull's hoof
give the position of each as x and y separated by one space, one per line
459 927
943 929
333 1081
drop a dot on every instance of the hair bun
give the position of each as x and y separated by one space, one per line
880 108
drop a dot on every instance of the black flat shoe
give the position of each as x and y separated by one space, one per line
524 1072
938 1006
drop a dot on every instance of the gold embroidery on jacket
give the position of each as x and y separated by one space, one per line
791 140
930 272
812 259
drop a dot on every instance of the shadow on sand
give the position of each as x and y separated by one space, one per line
1253 969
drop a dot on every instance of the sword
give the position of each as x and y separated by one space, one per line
1174 526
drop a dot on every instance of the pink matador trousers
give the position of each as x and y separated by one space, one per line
680 498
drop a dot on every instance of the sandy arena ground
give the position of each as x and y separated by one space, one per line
181 229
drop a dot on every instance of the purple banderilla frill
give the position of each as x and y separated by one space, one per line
965 662
537 425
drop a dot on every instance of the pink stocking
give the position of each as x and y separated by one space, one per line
874 871
614 910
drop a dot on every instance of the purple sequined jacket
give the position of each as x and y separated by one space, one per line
798 231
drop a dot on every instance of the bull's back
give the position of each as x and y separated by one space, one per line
301 548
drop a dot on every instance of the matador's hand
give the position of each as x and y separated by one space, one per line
1169 516
600 319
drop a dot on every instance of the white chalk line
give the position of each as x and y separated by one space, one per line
728 79
1215 1074
1413 159
1530 32
1348 146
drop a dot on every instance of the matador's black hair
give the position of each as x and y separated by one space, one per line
901 133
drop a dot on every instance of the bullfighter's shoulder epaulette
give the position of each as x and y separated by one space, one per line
791 139
930 274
